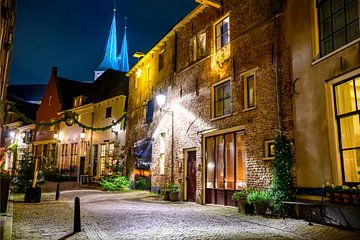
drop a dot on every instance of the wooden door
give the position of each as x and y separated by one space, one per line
191 176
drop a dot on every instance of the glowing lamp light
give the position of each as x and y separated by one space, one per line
56 136
83 135
12 134
211 166
160 99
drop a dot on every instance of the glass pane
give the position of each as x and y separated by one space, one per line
326 46
218 42
345 97
357 84
218 29
226 38
219 93
219 179
229 158
227 91
338 20
240 161
225 27
337 4
250 91
202 45
351 12
325 10
339 39
194 48
350 131
210 166
353 31
219 109
351 161
227 106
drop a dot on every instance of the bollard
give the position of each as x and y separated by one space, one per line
77 222
57 195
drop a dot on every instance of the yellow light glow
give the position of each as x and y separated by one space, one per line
138 73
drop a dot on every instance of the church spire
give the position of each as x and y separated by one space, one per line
110 58
124 58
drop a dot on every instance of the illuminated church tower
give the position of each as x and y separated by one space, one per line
111 58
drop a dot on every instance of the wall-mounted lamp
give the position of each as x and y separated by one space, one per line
83 135
161 99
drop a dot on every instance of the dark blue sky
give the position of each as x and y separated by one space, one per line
72 34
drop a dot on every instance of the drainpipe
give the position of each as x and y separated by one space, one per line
91 142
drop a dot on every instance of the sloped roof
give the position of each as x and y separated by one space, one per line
25 107
27 92
110 84
68 89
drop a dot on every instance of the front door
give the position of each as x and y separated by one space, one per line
191 176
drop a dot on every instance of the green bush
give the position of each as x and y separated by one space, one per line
281 185
115 183
259 197
242 194
142 183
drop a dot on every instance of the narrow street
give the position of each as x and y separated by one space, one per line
137 215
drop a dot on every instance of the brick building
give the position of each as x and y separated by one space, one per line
225 72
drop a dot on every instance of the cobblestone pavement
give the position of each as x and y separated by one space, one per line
135 215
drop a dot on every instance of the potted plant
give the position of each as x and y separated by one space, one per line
240 198
338 194
165 192
173 192
329 191
346 194
355 194
260 199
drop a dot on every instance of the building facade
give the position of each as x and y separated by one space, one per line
325 54
225 73
7 24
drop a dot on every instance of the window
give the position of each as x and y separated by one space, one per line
52 152
111 158
73 159
96 152
338 23
198 44
148 111
269 147
161 59
108 112
222 33
102 158
50 100
222 99
64 154
249 79
347 110
77 102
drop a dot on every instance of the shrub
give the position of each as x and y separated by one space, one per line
142 183
172 187
115 183
281 185
242 194
259 197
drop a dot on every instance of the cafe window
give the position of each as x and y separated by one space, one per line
347 109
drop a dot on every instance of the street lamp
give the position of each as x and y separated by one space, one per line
161 99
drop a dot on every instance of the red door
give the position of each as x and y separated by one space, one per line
191 176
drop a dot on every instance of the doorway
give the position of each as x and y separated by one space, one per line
190 175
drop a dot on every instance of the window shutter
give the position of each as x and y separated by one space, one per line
150 111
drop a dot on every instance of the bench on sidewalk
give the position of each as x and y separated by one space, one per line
311 205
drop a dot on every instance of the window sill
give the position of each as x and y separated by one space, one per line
249 109
268 158
335 52
221 117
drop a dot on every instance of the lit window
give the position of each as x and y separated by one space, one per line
50 100
77 102
338 23
249 79
198 46
222 33
347 109
111 158
108 112
102 158
222 99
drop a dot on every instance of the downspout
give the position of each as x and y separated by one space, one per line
276 68
91 143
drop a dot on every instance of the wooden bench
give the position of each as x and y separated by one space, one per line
310 205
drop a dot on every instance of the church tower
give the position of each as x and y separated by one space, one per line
111 58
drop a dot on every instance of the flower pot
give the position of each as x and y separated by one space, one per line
260 208
32 195
249 208
166 195
356 200
330 196
241 205
174 196
338 198
4 187
347 198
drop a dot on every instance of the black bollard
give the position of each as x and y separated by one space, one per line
77 222
57 191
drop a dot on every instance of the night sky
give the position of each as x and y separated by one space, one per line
72 34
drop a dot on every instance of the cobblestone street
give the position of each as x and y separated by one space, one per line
136 215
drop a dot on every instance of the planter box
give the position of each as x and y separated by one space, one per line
32 195
174 196
4 194
166 195
260 208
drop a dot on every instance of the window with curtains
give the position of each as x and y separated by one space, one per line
73 159
225 161
222 99
64 156
102 158
338 23
347 110
111 158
